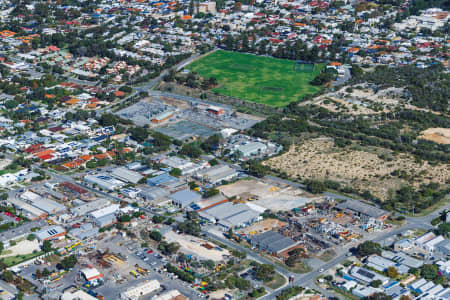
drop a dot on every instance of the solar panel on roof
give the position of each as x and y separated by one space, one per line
365 273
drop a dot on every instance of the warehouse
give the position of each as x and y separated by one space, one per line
252 148
273 242
153 193
91 274
217 174
109 210
185 198
50 233
140 290
83 209
44 204
366 276
104 181
126 175
162 179
229 215
19 232
362 210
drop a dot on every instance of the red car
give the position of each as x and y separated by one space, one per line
149 251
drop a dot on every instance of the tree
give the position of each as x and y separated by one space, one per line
230 233
379 296
38 273
125 218
31 237
191 151
168 248
7 276
315 186
68 262
1 247
376 283
264 272
368 248
209 264
322 78
392 272
158 219
45 272
47 246
444 229
176 172
156 235
139 134
211 192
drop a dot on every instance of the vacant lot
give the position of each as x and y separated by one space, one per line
255 78
437 135
270 196
362 168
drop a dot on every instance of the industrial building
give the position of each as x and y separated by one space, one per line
137 292
217 174
185 198
170 295
50 233
366 276
105 216
126 175
91 274
229 215
86 208
85 231
104 181
44 204
19 232
252 148
273 242
364 211
153 193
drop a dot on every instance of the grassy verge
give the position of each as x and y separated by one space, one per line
17 259
277 282
327 255
430 209
298 268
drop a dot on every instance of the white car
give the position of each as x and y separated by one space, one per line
321 270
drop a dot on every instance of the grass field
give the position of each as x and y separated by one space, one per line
258 79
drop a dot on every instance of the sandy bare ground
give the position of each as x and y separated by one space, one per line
319 159
263 226
4 163
192 245
269 196
437 135
22 248
364 101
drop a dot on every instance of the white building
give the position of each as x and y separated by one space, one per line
140 290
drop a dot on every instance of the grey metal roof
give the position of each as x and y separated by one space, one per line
230 214
20 231
89 206
362 208
124 174
185 197
273 241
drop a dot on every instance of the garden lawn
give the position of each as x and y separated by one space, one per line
259 79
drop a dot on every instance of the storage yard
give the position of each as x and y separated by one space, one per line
269 195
